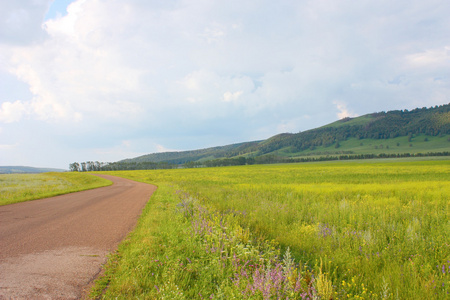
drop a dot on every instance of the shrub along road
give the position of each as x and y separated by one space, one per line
53 248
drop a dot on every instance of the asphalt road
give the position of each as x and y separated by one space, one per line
53 248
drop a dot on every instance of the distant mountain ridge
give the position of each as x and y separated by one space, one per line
428 122
24 169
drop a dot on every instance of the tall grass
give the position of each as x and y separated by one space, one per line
16 188
326 230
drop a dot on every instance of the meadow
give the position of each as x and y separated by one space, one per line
399 145
335 230
16 188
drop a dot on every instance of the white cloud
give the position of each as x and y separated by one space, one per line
161 148
213 33
178 73
8 147
344 112
431 58
66 27
71 78
291 125
12 111
230 96
199 81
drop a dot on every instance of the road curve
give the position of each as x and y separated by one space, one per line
53 248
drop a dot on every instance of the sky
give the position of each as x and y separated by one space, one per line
105 80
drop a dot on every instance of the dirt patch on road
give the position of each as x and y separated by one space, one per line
53 274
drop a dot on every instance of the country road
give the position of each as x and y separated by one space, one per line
53 248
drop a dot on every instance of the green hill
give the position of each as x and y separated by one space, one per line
428 122
399 133
180 157
417 131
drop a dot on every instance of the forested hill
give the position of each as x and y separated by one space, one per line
181 157
428 122
383 125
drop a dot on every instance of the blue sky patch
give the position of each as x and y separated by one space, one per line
58 9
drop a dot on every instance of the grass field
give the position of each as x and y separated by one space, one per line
341 230
417 144
16 188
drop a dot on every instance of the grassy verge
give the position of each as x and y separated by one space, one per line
325 231
181 250
16 188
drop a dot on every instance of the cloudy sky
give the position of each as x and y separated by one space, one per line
111 79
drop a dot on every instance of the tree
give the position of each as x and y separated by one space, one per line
74 167
241 160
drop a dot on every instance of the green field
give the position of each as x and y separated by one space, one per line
399 145
16 188
340 230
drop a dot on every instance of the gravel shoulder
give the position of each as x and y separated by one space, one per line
53 248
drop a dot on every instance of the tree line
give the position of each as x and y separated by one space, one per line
91 166
273 159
